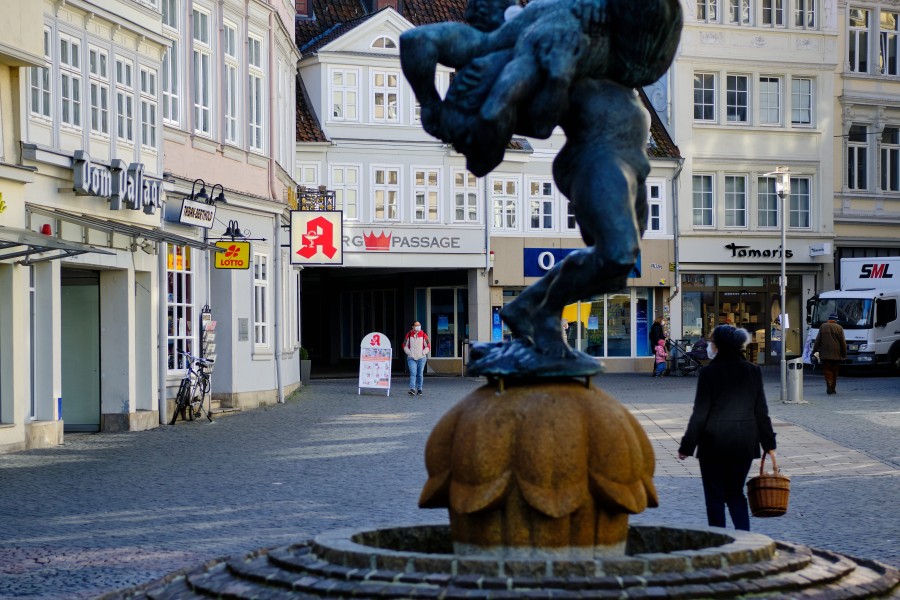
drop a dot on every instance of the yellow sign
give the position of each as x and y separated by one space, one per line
236 255
292 198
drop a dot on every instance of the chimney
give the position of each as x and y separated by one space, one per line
379 4
304 8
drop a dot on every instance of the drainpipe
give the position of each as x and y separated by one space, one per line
273 191
675 227
162 331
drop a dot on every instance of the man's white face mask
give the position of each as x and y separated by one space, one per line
711 350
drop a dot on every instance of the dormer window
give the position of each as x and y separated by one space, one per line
384 43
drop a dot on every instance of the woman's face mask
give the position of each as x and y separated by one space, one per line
711 350
417 328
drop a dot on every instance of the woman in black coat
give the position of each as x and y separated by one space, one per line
729 423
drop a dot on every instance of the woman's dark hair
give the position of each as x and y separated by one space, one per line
730 340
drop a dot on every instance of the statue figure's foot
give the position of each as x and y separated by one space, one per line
522 359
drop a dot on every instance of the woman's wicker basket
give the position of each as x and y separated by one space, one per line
768 494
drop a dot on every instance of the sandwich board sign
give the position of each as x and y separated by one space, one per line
375 363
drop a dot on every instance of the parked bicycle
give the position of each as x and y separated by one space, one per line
193 391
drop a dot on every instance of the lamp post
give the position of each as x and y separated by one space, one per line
783 191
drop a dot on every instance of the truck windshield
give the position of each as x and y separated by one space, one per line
853 313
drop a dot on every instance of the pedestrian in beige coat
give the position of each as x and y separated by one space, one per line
831 347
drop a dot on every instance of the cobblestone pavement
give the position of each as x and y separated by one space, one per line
108 511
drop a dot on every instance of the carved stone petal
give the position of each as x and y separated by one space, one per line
436 493
555 502
467 499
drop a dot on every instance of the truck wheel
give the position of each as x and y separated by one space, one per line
895 359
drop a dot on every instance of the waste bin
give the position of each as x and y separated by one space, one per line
795 380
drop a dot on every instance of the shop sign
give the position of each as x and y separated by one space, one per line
198 214
316 237
540 260
236 255
751 252
117 183
413 240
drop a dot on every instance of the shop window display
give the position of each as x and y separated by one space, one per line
179 305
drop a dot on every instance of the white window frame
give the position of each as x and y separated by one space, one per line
427 183
308 174
466 197
70 81
707 11
256 93
707 104
733 97
98 91
768 204
541 200
170 83
231 85
735 200
744 11
40 102
802 101
773 13
384 99
170 13
705 210
858 158
858 41
181 300
384 42
505 203
800 203
261 311
805 14
766 97
656 207
441 88
346 193
201 53
125 100
889 44
569 222
344 96
386 193
890 159
149 110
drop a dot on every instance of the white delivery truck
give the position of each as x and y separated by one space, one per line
866 307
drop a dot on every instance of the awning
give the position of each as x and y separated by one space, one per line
155 234
33 247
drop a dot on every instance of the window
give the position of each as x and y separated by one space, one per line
735 201
385 95
704 97
70 81
345 183
387 194
180 305
148 108
737 98
799 203
655 208
703 200
805 14
707 11
124 100
308 175
384 42
887 51
232 92
801 101
170 13
40 83
858 42
202 74
170 64
98 66
344 95
767 203
504 202
426 194
571 221
465 194
541 194
260 300
890 159
857 164
773 13
256 92
417 106
739 12
770 100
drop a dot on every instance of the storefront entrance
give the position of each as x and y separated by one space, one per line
751 302
80 349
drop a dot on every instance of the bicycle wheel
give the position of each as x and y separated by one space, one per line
182 400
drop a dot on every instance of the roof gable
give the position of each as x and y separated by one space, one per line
357 37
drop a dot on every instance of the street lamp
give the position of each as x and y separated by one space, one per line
783 191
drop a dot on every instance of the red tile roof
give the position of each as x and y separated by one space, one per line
308 128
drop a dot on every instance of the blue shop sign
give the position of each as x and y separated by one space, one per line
540 260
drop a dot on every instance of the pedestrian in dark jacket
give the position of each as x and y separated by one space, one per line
832 348
729 423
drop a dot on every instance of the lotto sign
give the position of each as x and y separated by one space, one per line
236 255
316 237
375 362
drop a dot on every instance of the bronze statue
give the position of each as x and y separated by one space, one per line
566 63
